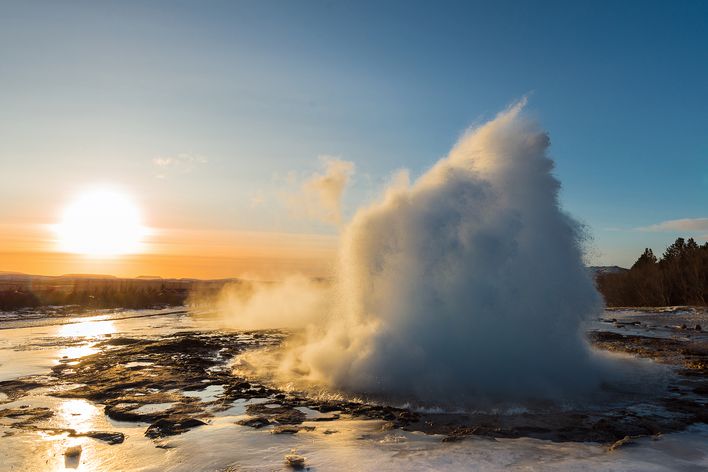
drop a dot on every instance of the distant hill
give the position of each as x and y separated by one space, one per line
602 270
89 276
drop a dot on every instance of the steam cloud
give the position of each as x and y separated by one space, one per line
321 194
293 303
464 286
468 283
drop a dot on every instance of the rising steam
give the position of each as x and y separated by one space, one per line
320 196
469 283
466 285
293 303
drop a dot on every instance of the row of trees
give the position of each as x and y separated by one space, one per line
107 296
680 277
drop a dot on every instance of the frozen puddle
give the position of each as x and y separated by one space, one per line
238 407
131 365
209 394
151 408
314 415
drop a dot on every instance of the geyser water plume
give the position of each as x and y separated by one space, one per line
466 285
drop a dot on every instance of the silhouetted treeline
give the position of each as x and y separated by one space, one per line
27 292
680 277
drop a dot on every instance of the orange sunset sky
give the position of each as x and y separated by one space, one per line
174 253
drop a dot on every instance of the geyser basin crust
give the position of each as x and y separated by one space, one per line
466 285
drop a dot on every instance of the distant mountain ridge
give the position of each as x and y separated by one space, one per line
602 270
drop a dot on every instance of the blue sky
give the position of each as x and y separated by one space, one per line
246 95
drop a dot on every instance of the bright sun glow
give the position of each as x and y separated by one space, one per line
101 222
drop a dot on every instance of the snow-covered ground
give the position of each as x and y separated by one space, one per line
344 444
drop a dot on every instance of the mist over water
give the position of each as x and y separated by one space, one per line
466 285
292 303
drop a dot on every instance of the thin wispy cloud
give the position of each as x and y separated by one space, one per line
684 224
179 164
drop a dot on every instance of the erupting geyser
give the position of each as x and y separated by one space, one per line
465 285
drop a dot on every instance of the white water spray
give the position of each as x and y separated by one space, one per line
468 284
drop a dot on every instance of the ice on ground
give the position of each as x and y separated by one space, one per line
340 444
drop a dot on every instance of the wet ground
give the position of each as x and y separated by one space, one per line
157 390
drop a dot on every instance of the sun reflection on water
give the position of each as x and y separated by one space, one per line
78 414
88 328
75 352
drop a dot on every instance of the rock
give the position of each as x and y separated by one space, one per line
110 437
277 414
15 389
291 429
25 417
388 426
257 422
683 326
73 451
620 443
192 423
285 430
121 342
72 456
698 328
290 417
327 407
296 461
165 446
171 427
332 417
459 433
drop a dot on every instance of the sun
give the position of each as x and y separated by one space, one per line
101 222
